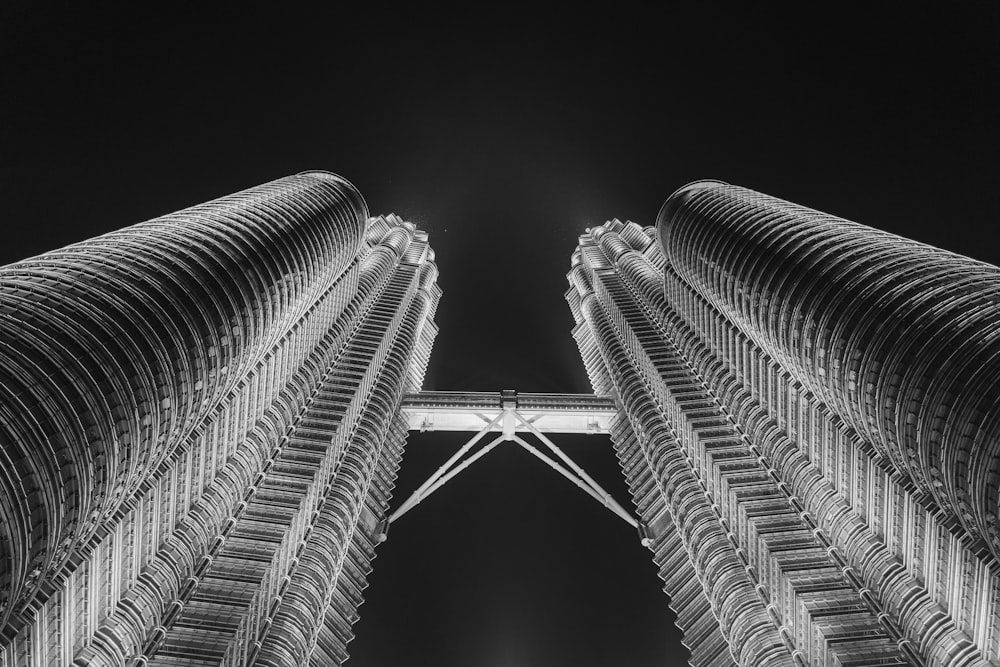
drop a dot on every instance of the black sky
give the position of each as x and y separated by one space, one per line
504 133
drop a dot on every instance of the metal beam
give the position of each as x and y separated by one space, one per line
596 495
607 499
510 413
419 495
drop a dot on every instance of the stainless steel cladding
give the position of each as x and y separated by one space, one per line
200 424
809 428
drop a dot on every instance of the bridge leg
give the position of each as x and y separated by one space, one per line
427 489
416 496
607 499
596 495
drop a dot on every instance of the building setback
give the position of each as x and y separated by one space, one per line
200 429
809 421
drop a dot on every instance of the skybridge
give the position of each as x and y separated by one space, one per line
520 413
510 417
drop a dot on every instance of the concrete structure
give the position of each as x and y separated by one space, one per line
200 429
202 417
809 421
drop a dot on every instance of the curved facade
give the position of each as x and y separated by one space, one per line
201 423
901 340
200 429
808 428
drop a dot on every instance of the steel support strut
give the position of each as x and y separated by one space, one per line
606 498
506 421
596 495
422 491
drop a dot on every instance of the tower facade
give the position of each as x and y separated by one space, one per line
200 429
809 421
202 417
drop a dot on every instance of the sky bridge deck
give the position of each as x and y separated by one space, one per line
473 410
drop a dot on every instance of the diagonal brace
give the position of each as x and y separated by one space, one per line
436 482
576 480
418 495
606 497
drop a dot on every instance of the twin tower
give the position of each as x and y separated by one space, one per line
202 416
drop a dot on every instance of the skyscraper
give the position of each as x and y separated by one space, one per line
202 417
200 429
809 423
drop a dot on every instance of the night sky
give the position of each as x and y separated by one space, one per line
504 134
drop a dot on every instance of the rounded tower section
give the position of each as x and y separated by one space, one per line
900 339
115 349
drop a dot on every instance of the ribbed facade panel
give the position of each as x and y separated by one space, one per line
200 428
279 328
899 339
852 563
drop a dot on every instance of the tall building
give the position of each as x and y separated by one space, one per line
809 423
200 429
202 417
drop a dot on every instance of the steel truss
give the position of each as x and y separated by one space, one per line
513 416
